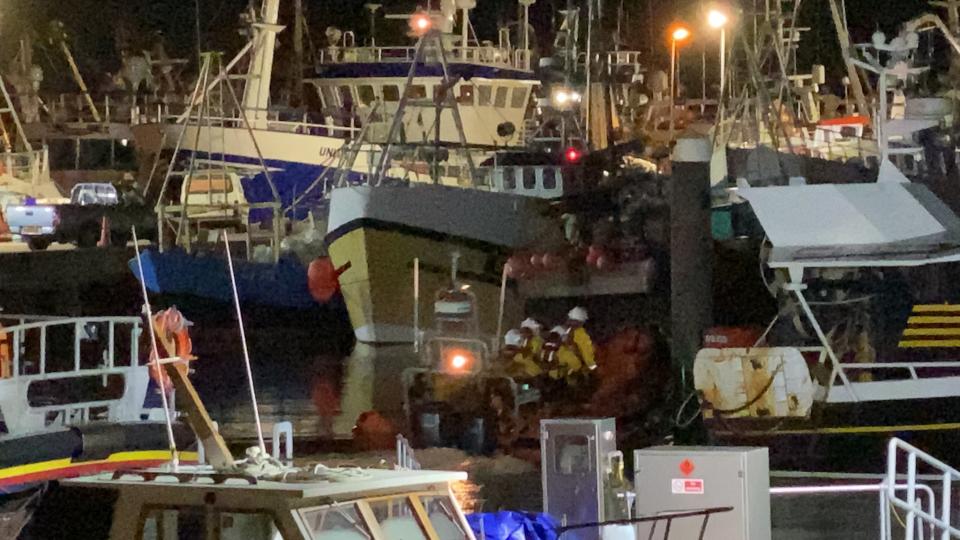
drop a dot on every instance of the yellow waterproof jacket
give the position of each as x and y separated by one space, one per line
565 363
584 344
533 346
524 365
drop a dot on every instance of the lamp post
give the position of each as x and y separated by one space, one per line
679 33
718 19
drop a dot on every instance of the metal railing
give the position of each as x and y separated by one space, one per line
484 55
667 518
32 167
405 457
900 453
35 357
275 124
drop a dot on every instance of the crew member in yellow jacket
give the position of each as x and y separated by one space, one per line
532 344
564 363
516 360
580 338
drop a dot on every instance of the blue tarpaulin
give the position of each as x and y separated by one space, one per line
513 526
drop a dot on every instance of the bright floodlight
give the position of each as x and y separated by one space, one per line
561 97
681 34
716 18
459 361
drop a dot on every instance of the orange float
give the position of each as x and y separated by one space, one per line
323 279
172 333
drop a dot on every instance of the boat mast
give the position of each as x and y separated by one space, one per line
256 94
297 93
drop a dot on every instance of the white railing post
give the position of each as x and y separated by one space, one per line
945 505
284 429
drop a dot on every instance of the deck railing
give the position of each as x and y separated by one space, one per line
483 55
900 455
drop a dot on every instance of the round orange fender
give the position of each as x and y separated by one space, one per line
323 279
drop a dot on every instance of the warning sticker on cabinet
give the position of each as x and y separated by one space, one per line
687 486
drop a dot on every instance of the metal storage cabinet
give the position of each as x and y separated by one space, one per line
678 478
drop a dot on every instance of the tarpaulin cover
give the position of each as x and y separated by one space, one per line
513 526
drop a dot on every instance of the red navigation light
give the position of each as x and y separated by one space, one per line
420 23
572 155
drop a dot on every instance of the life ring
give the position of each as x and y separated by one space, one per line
173 341
6 354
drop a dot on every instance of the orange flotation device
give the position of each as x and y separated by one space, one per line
171 329
323 279
6 355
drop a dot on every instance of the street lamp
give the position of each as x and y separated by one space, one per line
718 19
679 33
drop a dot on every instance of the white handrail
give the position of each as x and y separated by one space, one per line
910 504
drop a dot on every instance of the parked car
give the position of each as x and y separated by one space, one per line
81 220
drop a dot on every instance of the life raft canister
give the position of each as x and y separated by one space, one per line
173 340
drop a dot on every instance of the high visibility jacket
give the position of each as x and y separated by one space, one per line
566 363
524 365
585 349
533 346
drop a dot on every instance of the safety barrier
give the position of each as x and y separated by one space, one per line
900 453
405 458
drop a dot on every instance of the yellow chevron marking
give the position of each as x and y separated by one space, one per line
933 320
932 332
935 308
915 343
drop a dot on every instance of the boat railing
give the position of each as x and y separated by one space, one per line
32 166
117 108
614 61
848 373
50 349
902 455
666 518
483 55
275 124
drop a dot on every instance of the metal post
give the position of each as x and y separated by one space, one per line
589 68
673 79
723 59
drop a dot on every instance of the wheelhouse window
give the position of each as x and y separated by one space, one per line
549 178
346 96
366 94
391 93
519 98
191 522
466 94
328 96
509 179
397 519
484 93
501 100
416 91
443 516
529 178
336 522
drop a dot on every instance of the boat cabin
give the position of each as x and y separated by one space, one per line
318 504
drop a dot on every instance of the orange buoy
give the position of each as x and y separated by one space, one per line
323 279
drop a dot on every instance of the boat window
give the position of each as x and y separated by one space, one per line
442 513
416 91
501 99
326 92
214 183
397 519
247 526
572 454
519 98
529 178
391 93
466 94
549 178
338 522
346 97
483 95
365 93
509 179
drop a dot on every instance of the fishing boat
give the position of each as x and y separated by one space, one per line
861 350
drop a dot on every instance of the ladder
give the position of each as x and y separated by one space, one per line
9 114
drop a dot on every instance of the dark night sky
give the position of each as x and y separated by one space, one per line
92 24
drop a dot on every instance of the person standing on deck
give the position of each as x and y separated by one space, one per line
582 344
532 342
